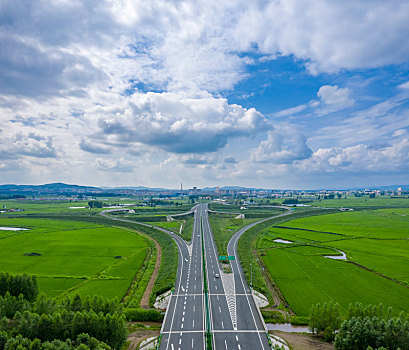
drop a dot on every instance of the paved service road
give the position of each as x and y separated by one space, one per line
235 322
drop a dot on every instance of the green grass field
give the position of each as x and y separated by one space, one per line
186 222
365 201
76 257
224 228
42 206
376 243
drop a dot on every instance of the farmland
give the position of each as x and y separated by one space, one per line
376 245
72 257
365 201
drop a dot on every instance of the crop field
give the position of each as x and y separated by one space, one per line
53 206
42 206
376 244
71 257
365 201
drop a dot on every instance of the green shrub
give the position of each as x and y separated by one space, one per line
143 315
272 316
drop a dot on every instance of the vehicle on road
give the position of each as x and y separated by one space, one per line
216 275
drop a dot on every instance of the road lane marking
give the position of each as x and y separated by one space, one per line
219 331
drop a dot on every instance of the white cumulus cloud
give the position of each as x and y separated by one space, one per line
284 145
178 124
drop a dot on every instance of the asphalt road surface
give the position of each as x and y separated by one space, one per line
234 320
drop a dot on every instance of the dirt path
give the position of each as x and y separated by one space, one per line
303 341
138 336
149 287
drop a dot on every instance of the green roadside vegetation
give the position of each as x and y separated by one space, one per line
225 223
185 222
376 245
224 228
187 228
250 212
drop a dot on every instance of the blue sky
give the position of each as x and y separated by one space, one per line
276 94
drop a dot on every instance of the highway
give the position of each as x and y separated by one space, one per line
234 320
184 324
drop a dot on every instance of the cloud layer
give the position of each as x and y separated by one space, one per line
142 87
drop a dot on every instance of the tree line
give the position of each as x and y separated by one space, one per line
10 304
20 284
31 322
109 328
83 342
362 327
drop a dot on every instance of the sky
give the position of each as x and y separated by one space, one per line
295 94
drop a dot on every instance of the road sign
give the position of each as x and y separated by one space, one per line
231 257
222 257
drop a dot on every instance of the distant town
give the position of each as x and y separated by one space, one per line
74 192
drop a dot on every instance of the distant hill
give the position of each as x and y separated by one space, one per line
138 188
57 187
391 187
62 188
